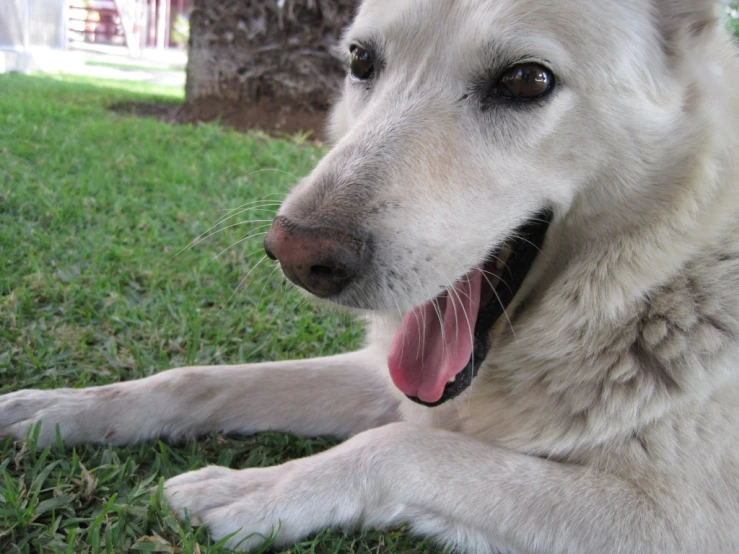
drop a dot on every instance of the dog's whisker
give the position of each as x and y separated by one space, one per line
266 282
524 239
400 313
286 289
435 305
505 312
421 335
498 277
258 204
242 282
250 254
200 238
247 205
423 323
233 212
300 301
450 298
466 315
231 226
472 340
451 291
247 237
254 209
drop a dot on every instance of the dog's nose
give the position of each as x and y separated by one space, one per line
323 260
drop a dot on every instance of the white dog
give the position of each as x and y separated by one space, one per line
536 201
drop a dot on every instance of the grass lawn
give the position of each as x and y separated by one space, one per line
93 208
126 66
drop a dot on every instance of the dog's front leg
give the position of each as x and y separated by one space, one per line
339 395
471 495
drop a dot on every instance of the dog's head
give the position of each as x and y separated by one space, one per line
465 128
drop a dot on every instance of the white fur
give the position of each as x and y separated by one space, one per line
606 415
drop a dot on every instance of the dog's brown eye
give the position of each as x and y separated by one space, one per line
526 81
362 66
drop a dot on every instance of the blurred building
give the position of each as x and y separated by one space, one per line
33 33
151 23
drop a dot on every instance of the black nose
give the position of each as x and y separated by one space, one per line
323 260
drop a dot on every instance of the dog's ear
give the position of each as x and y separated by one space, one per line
691 18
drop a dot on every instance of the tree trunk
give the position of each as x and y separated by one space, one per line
269 64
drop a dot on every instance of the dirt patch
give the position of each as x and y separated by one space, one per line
265 116
162 111
273 119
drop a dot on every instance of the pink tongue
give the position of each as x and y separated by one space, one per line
427 352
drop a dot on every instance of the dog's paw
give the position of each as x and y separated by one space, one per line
20 411
242 505
71 411
283 503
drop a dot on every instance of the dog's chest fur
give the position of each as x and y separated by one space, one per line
619 384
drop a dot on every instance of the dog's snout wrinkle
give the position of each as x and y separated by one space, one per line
321 260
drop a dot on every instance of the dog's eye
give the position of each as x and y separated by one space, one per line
527 81
362 66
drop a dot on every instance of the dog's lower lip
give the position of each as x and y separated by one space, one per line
524 247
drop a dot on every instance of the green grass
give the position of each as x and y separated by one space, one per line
93 208
125 66
97 92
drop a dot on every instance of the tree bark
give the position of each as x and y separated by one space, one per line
268 64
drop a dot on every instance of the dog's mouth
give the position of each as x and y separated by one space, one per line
439 347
